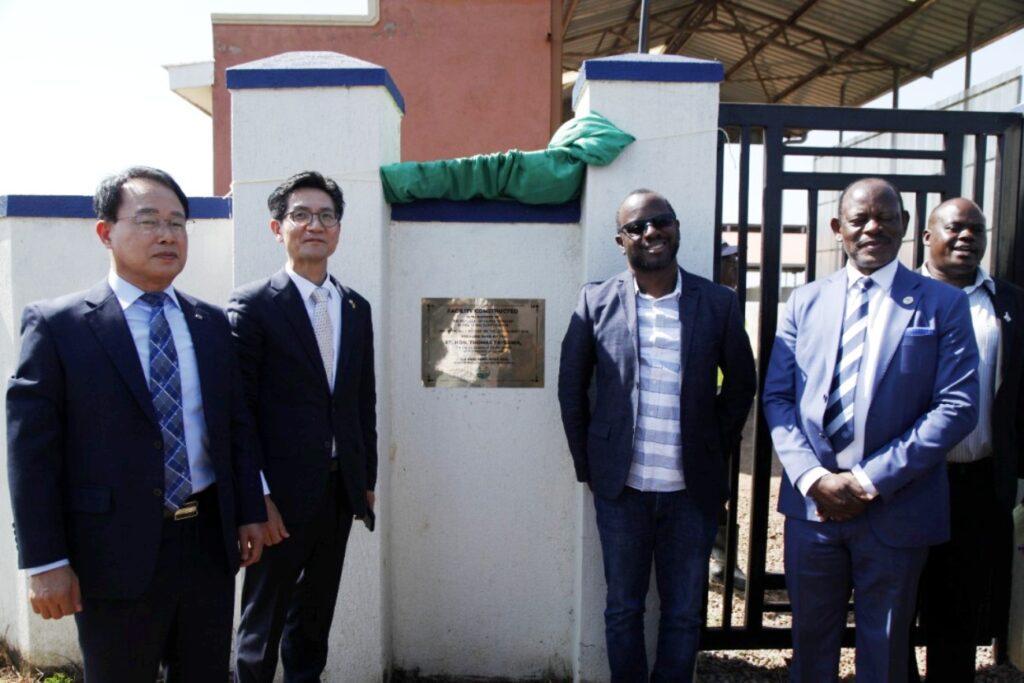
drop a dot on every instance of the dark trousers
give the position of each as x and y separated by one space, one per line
963 589
673 532
288 596
183 619
825 561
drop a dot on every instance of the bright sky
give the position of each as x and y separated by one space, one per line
85 93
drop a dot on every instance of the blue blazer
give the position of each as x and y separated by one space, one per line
84 447
603 337
297 417
923 403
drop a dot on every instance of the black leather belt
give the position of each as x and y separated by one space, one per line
205 499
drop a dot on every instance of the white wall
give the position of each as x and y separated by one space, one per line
482 547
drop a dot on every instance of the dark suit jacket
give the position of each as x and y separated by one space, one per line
602 336
924 400
297 416
1008 407
85 452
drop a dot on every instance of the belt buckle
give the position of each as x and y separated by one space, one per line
187 511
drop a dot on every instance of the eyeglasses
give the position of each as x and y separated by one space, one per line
150 224
303 217
636 229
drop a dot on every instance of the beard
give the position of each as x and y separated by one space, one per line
642 261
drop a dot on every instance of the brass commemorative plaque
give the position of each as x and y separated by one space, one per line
483 342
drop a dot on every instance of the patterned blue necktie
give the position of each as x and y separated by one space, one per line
839 411
165 389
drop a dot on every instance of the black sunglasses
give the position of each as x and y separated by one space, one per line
636 229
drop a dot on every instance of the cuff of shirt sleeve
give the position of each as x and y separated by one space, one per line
32 571
865 483
806 480
266 487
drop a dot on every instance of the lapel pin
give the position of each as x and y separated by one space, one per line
1006 317
198 315
352 303
908 300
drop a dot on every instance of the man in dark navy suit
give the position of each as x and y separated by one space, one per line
654 443
965 585
130 453
305 342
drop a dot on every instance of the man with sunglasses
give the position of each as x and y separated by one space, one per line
305 345
135 489
653 447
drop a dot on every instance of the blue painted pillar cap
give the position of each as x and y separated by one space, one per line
647 67
311 70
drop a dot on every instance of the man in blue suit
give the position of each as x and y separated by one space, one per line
305 343
130 453
653 445
872 379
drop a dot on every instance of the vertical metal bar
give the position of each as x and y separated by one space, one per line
771 243
895 87
1008 258
716 270
645 17
954 165
980 152
810 272
920 206
743 219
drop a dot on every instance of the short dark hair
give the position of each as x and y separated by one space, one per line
107 200
642 191
277 202
883 181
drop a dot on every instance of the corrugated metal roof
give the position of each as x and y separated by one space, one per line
815 52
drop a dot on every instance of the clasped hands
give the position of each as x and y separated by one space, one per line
839 496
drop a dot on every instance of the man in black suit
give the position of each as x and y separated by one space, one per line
305 343
654 443
130 453
965 585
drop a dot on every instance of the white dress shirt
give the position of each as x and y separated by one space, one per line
880 310
978 444
306 288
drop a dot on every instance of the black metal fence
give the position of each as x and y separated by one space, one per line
988 145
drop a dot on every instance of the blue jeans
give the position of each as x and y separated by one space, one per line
671 530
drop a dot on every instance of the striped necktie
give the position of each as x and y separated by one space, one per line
165 390
839 411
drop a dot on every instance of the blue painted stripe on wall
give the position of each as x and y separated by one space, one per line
75 206
669 72
485 211
243 79
638 67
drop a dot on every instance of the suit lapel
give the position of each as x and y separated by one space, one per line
689 300
206 357
831 317
904 300
627 297
348 335
287 296
106 318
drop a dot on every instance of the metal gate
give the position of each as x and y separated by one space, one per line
930 169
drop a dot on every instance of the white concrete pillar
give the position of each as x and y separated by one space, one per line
340 116
670 105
